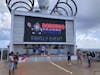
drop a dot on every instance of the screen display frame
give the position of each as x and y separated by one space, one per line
53 30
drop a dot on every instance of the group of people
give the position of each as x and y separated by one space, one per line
41 50
79 57
89 57
13 61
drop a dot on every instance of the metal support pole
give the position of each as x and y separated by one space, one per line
1 54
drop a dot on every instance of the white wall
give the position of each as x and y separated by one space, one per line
18 29
70 32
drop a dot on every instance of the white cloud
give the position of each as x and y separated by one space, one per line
87 41
4 34
4 43
5 20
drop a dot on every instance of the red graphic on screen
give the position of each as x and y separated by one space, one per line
53 26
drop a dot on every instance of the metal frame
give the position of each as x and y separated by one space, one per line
55 10
29 8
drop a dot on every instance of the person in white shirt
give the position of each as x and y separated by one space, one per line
11 63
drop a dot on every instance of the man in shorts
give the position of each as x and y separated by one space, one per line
89 59
11 63
69 57
79 57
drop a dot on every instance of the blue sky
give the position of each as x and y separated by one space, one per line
87 23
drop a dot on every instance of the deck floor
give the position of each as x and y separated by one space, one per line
52 68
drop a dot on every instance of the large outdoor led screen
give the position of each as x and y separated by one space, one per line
39 29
